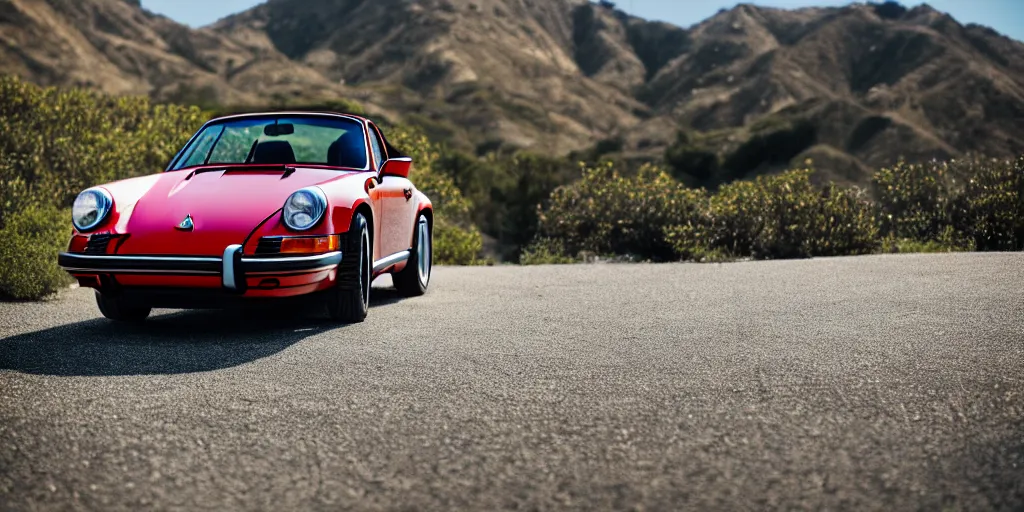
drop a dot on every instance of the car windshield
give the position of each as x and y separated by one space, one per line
331 141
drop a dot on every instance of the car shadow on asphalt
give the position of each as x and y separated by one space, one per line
177 342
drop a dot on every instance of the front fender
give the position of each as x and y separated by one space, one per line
344 196
125 193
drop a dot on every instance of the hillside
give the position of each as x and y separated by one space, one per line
853 88
873 83
505 68
117 47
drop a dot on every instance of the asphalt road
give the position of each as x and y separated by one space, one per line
874 383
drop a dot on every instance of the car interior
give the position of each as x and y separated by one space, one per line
274 152
348 151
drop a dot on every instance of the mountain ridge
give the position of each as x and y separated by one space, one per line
867 83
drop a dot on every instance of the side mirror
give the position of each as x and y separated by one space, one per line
398 167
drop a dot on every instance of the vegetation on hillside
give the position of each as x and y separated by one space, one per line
54 144
536 209
698 159
973 204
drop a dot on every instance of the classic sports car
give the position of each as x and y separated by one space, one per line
257 206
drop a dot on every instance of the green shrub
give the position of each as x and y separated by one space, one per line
652 216
990 208
845 222
692 241
28 257
915 200
950 241
545 251
606 213
976 203
456 245
781 216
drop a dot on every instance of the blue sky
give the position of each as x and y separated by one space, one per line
1006 16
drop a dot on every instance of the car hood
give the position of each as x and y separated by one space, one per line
224 206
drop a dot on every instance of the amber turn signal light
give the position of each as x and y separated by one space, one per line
310 245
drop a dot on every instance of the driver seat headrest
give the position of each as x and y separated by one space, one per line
348 151
274 152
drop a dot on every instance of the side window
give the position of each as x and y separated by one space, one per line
375 146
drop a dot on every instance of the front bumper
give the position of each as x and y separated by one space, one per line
232 268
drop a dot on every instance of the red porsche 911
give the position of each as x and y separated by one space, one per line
257 207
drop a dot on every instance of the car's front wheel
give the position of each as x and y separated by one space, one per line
412 281
116 308
349 300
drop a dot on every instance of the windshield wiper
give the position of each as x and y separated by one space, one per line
214 146
252 151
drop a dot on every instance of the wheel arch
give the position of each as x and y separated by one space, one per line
428 212
365 209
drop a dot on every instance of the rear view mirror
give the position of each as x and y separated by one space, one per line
274 130
396 167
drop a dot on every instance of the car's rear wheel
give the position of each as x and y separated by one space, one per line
413 280
349 300
116 308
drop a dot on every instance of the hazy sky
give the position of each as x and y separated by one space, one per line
1006 16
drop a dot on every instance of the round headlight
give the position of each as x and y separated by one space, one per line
90 208
304 208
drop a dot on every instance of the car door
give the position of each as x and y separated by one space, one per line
377 193
398 209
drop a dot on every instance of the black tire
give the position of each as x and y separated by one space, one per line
115 308
349 300
413 280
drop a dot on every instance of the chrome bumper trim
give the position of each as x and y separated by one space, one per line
194 265
228 276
